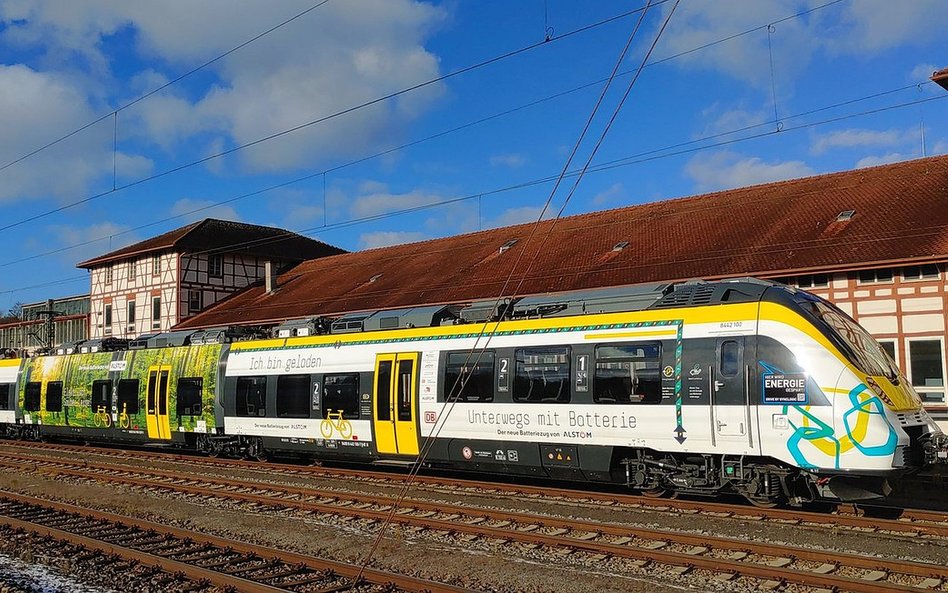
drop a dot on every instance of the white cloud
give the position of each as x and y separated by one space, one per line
725 170
719 120
853 28
339 55
92 240
614 193
885 159
923 72
193 210
387 238
857 138
35 108
940 147
518 215
512 160
376 199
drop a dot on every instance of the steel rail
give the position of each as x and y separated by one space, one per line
700 543
368 575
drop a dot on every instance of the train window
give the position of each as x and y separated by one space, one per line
404 388
542 374
730 358
190 390
128 396
251 396
292 397
383 390
163 393
4 396
101 396
469 377
628 374
31 396
54 396
341 393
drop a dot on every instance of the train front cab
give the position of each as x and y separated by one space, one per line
9 372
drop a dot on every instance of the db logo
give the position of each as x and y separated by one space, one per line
467 453
431 417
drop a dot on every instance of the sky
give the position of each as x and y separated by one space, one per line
366 123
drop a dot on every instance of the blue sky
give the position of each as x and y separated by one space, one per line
845 84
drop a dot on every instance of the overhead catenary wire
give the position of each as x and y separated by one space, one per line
325 118
448 404
653 154
158 89
385 152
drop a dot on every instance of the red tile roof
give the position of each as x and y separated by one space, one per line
941 78
901 214
223 236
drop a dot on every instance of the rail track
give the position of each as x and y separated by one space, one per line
204 560
913 522
727 558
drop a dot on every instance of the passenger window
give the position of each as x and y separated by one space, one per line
54 396
128 396
628 374
251 396
730 358
341 393
4 396
101 396
189 398
383 389
469 377
542 375
31 396
292 397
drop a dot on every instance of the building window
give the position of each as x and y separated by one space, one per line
131 312
889 347
469 376
341 393
156 265
189 396
927 368
813 281
194 301
107 314
215 266
923 272
542 375
108 275
873 276
628 374
132 271
156 312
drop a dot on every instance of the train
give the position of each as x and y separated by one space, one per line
703 387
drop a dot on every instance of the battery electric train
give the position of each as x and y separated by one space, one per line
740 386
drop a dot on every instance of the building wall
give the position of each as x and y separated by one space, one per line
17 336
141 281
207 278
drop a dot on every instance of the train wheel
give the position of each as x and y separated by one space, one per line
880 512
762 503
256 451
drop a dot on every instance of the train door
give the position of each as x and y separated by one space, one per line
395 403
729 398
159 427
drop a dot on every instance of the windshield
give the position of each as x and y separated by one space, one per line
866 352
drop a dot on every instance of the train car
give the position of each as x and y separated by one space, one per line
157 396
705 387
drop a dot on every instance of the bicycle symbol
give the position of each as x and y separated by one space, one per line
335 421
102 418
123 419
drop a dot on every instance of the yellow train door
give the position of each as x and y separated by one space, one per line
395 403
159 426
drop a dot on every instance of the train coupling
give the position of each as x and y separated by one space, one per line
936 449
